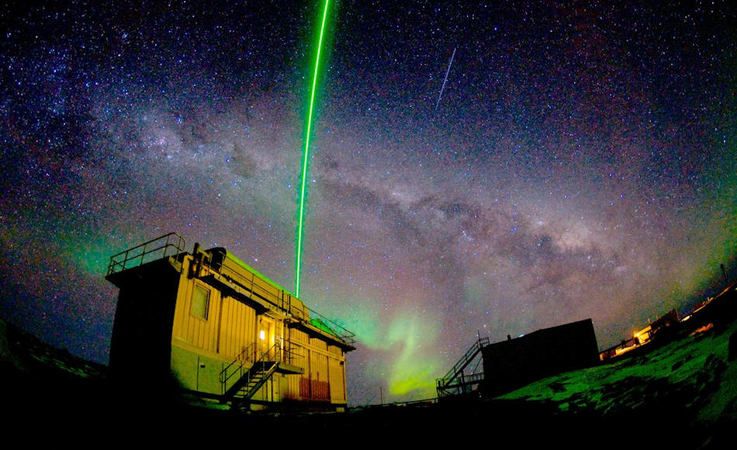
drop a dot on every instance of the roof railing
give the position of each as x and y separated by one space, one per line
330 326
167 245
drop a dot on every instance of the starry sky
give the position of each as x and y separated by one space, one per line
582 162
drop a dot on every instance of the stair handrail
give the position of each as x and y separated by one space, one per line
277 354
226 374
240 359
463 361
262 377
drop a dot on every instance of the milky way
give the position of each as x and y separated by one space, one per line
582 164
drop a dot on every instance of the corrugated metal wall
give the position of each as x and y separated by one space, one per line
232 326
299 341
336 367
238 329
324 370
195 331
319 387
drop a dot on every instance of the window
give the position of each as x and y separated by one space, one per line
200 302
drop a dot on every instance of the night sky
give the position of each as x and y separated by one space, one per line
582 162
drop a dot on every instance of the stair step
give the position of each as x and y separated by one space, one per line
257 375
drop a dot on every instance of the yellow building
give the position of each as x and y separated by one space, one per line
224 331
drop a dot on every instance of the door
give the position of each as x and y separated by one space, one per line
266 338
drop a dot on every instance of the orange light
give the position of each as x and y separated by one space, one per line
702 329
262 335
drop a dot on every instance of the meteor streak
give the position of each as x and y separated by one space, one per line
445 80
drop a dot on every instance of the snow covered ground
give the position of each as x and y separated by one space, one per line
692 375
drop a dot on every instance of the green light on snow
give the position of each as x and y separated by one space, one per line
306 154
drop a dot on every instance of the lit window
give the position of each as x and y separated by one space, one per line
262 335
200 302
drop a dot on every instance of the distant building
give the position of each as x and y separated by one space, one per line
516 362
513 363
718 310
221 329
661 330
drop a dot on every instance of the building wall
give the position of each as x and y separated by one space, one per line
300 358
336 375
197 371
516 362
141 342
238 329
195 331
319 385
323 379
202 348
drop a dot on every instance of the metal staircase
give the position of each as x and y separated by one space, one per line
246 387
245 375
458 380
249 371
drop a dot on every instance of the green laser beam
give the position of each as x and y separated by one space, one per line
306 154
